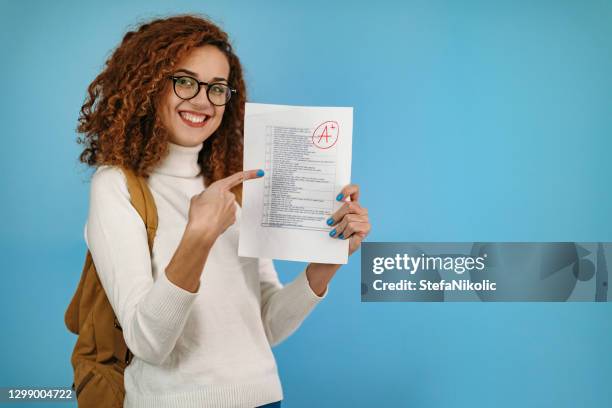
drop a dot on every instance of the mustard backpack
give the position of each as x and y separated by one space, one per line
100 354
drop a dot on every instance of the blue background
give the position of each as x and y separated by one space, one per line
474 121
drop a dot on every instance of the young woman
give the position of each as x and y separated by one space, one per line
199 320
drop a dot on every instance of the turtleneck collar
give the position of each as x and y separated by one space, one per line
181 161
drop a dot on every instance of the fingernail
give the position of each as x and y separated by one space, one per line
260 173
341 236
339 198
330 221
332 232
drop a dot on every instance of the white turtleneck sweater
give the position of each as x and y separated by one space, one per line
206 349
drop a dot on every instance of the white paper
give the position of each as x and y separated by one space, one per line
306 155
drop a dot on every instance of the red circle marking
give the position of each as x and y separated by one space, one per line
320 136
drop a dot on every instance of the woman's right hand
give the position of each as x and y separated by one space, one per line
213 210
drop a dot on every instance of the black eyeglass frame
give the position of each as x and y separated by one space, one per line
208 86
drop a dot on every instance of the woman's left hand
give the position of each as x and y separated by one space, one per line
351 220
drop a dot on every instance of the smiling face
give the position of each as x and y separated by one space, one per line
191 122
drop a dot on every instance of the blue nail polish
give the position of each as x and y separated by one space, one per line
332 232
339 197
341 236
260 173
330 221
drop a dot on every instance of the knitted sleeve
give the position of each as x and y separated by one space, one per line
152 313
283 308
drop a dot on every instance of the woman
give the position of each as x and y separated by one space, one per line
199 320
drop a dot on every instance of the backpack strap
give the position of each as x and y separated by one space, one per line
143 201
87 291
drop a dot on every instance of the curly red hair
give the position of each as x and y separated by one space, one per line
118 119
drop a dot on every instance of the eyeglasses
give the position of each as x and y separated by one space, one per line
186 87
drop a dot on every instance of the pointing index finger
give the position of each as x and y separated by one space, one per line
237 178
